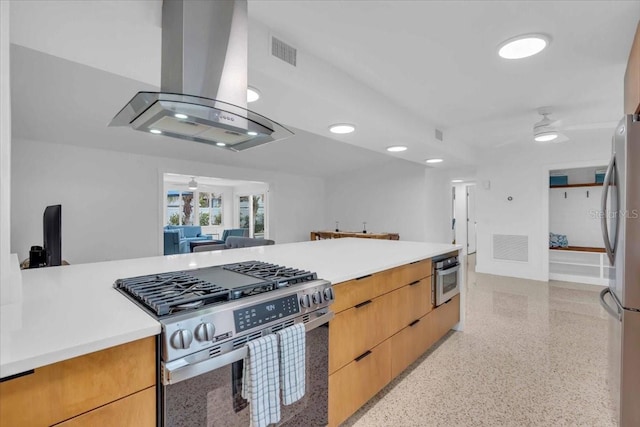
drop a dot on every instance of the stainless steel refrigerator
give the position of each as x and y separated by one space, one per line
621 232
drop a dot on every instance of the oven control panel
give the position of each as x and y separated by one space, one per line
259 314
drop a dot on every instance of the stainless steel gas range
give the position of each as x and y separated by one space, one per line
207 317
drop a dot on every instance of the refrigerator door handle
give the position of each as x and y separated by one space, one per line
617 312
603 218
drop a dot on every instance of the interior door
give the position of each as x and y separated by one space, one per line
471 219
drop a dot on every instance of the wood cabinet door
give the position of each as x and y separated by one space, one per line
411 342
447 315
358 329
60 391
409 303
353 385
136 410
632 78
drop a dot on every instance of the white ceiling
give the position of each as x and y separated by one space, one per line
397 69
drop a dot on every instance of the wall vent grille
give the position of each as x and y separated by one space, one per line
508 247
283 51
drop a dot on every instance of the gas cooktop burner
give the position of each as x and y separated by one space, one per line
168 293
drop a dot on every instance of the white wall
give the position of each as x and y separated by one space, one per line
111 201
398 197
5 142
522 172
576 216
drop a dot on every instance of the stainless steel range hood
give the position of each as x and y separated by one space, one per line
203 93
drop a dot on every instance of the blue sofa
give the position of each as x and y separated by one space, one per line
177 238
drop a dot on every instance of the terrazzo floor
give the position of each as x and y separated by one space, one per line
531 354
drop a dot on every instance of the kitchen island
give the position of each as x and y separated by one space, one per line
71 311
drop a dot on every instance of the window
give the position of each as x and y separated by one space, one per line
251 214
180 207
210 208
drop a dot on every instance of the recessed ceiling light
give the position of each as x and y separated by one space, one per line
253 94
221 144
546 137
434 160
342 128
396 148
155 131
180 116
523 46
252 133
456 180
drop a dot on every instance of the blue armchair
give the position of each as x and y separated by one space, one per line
236 232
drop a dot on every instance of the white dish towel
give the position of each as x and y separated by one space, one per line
292 363
261 381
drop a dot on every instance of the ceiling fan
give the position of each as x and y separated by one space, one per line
548 130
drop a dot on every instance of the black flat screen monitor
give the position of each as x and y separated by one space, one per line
52 220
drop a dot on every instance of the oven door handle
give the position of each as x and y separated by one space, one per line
180 370
448 270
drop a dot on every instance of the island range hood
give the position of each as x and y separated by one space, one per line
203 93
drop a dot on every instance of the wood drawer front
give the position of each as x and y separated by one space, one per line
352 386
137 410
411 342
353 292
405 274
60 391
356 330
409 303
447 315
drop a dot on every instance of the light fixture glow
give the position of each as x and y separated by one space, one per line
221 144
342 128
252 133
456 180
523 46
434 160
546 137
180 116
155 131
193 185
253 94
396 148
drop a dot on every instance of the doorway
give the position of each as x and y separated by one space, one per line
464 216
471 219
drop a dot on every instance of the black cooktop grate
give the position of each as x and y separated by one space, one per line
167 293
284 276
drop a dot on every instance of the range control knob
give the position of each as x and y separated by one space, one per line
328 294
205 332
305 301
181 339
317 298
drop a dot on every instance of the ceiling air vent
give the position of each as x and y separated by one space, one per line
281 50
439 135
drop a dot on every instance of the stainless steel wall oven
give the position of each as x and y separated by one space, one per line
446 277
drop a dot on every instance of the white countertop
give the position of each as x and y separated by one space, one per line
73 310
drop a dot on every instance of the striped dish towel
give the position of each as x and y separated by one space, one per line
292 363
260 381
